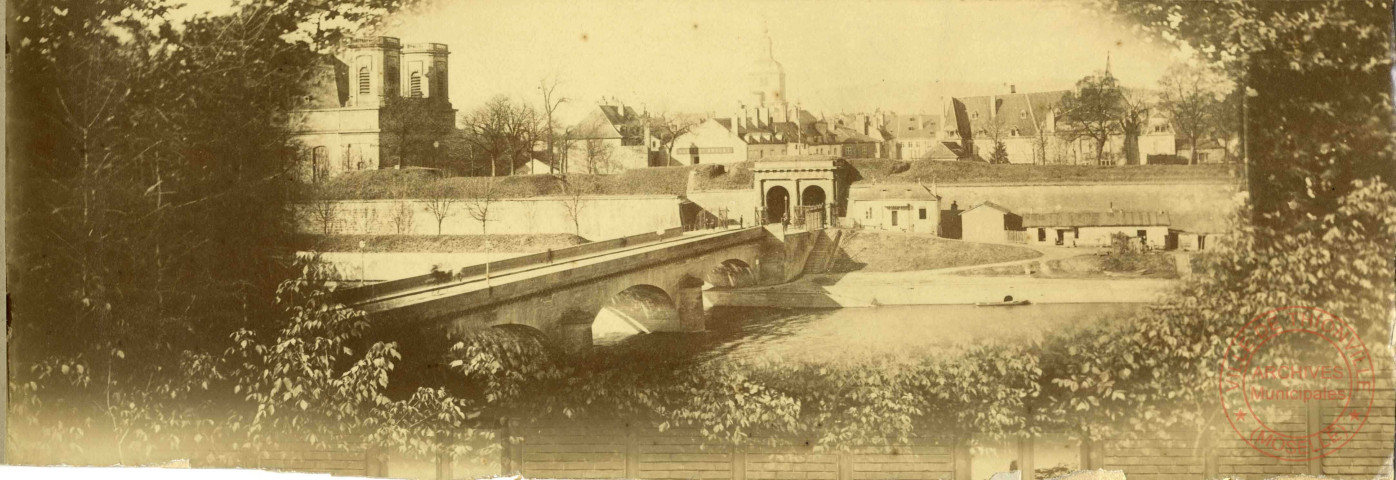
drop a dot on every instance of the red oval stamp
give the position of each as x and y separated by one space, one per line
1297 383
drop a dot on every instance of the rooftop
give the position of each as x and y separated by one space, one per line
1095 219
892 191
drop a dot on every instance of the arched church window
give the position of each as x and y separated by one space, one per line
416 85
363 80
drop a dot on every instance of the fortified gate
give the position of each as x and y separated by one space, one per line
803 190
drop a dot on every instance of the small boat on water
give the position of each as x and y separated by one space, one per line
1010 303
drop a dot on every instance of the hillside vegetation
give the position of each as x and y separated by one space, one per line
873 251
424 182
435 243
898 171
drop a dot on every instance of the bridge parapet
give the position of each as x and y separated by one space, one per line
360 294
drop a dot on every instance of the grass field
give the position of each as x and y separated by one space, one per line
1155 265
897 171
435 243
870 251
424 183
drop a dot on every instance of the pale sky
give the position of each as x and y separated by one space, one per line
838 55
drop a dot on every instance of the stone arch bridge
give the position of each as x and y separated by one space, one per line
560 293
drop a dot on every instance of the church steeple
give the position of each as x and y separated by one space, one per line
767 78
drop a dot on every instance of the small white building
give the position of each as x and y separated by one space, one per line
990 222
713 141
901 207
1095 228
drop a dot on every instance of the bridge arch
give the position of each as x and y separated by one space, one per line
637 309
731 273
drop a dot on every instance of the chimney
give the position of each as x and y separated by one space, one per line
954 206
1012 88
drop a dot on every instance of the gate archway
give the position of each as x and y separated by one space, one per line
777 204
813 195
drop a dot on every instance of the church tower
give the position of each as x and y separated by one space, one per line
373 70
424 71
767 79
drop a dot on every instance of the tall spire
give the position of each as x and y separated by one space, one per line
1107 62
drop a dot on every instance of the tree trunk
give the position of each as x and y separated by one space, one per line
1100 150
1193 144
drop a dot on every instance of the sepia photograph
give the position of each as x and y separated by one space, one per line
716 240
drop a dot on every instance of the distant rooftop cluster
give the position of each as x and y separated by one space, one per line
350 124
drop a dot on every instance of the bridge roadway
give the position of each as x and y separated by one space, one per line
562 297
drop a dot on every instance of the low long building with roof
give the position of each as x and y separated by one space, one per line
1096 228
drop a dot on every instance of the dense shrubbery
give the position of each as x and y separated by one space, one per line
1119 377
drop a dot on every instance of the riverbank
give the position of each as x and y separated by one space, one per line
874 289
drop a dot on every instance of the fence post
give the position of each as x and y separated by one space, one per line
443 458
961 460
845 465
375 463
632 452
511 453
738 462
1314 413
1209 455
1025 458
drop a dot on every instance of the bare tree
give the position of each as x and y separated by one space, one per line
479 200
574 189
325 212
440 203
414 129
668 127
1192 97
1041 119
402 217
1134 118
993 129
551 101
502 132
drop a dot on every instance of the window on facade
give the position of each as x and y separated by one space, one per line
416 83
1023 114
1013 132
868 215
922 214
1160 128
363 80
974 115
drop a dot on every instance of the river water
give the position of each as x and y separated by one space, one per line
823 335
